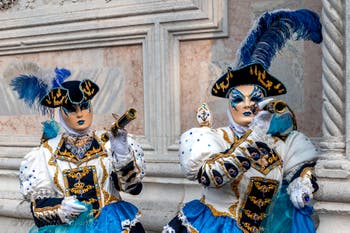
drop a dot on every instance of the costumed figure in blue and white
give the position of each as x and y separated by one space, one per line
73 180
256 173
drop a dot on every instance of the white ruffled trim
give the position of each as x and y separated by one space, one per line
168 229
42 193
127 224
186 223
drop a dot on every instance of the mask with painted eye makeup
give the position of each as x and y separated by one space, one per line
241 100
69 108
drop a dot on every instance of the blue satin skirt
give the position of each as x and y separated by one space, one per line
114 218
283 217
200 217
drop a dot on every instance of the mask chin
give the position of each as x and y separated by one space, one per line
239 129
70 130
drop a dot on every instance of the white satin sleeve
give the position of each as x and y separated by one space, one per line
296 151
196 145
34 175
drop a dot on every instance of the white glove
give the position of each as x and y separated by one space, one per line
70 209
263 119
300 191
120 147
119 143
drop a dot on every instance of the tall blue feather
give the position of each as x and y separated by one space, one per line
61 75
272 31
30 89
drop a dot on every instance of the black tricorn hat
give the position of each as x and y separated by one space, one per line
70 92
268 36
252 74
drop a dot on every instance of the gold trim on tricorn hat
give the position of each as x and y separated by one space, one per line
73 92
253 74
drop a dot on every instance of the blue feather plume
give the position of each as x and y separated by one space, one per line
61 75
29 88
272 31
32 83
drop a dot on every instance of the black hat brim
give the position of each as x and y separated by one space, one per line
252 74
73 92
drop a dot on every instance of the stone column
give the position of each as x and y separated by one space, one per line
333 169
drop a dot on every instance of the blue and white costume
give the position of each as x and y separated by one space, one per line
52 172
241 177
73 179
257 173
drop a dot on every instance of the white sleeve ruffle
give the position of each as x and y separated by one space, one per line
196 145
34 176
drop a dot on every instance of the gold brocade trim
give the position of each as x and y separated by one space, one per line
56 97
258 201
233 209
248 220
92 153
79 187
255 216
109 198
256 182
256 73
104 172
46 208
45 213
216 213
264 188
87 88
226 137
78 174
307 172
52 162
90 201
222 86
250 228
240 141
210 161
212 178
82 172
234 185
98 191
261 77
47 146
260 165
